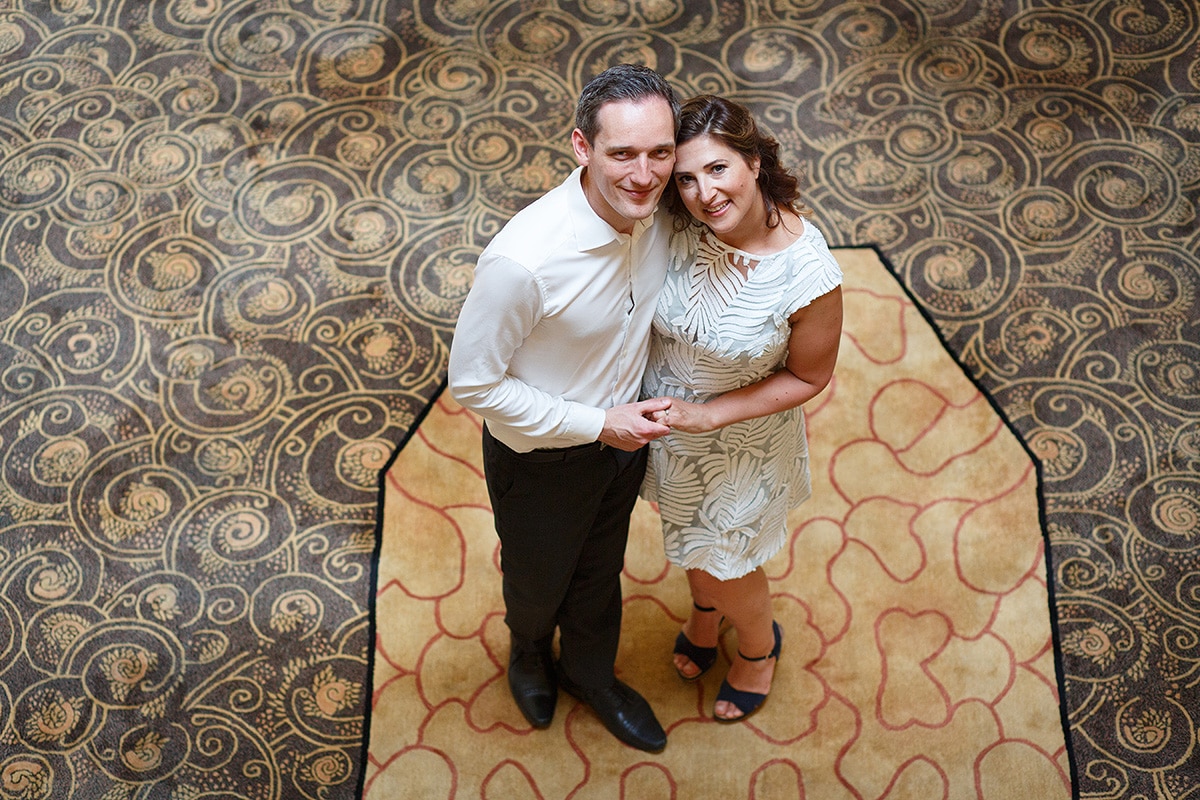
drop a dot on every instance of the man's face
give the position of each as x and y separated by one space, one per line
630 162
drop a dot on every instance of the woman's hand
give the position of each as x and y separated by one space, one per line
686 417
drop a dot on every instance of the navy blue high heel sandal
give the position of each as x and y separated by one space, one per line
702 657
748 702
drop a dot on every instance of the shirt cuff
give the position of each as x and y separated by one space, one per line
589 422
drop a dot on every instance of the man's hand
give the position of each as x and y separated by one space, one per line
632 425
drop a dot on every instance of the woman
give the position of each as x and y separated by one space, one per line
746 331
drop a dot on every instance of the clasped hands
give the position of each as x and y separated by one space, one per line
633 425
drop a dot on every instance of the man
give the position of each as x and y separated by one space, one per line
549 349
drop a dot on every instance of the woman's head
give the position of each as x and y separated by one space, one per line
733 125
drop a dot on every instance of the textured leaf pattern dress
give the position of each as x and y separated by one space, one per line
724 496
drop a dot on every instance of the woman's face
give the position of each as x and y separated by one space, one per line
718 187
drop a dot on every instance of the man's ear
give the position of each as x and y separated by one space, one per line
583 151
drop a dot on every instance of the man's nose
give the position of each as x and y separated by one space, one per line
643 173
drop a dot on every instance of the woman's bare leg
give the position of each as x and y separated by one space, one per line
746 603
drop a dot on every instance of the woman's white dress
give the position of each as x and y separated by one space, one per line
724 496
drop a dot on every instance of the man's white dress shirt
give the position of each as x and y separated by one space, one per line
556 327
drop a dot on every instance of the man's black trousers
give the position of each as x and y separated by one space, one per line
563 521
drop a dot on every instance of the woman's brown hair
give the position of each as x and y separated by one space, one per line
733 124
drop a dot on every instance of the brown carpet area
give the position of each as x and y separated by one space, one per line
234 236
917 658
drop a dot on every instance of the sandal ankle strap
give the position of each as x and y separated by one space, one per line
774 650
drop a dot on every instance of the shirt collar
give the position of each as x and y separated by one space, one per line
591 232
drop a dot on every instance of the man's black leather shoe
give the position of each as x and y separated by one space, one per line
532 681
623 711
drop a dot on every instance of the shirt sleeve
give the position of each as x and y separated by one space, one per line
503 307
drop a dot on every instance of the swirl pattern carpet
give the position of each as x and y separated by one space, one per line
234 236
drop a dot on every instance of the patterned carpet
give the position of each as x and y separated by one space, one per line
233 240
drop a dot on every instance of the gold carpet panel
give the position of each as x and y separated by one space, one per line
917 657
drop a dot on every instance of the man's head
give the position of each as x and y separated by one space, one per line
622 82
625 139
